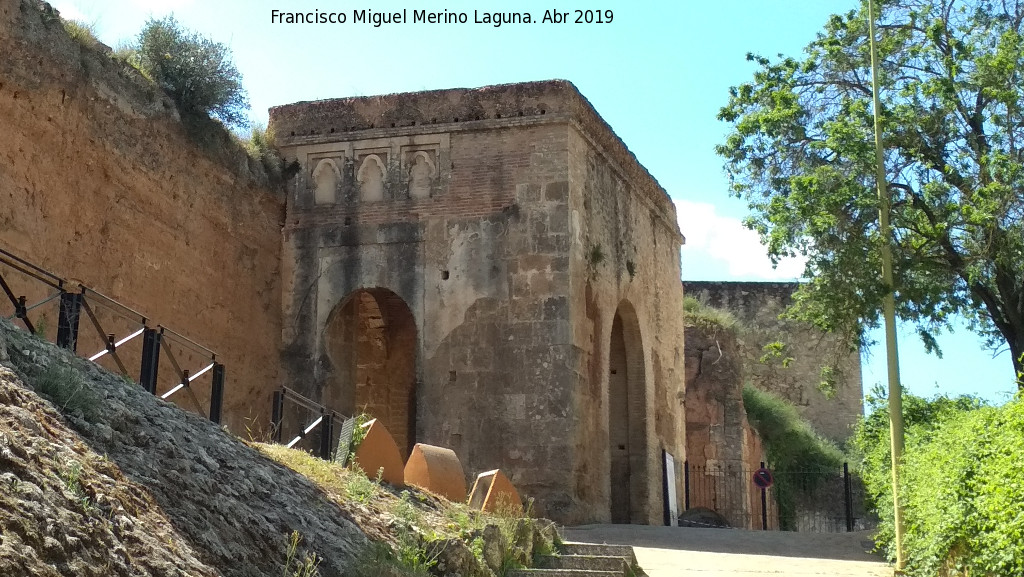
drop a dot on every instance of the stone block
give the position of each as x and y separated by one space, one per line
437 470
379 454
493 492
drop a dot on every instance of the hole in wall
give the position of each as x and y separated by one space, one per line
451 376
542 111
444 275
332 130
348 220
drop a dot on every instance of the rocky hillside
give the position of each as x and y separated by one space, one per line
97 477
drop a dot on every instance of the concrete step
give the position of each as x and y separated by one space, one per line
582 562
563 573
596 550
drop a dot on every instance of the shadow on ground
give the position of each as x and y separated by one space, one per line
837 546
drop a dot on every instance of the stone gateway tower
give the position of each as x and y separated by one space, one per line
493 271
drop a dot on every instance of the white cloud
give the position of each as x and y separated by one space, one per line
726 240
69 11
161 7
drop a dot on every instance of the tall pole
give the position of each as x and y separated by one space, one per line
888 303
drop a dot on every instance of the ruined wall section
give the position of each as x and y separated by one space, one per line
722 449
98 182
758 305
624 258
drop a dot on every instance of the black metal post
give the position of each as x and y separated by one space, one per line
848 494
764 506
67 320
217 392
21 311
150 359
326 431
277 414
686 485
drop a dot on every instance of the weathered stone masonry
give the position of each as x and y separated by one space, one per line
758 305
489 270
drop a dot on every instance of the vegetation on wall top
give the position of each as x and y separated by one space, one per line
196 72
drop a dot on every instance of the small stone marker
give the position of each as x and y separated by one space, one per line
378 454
437 470
493 492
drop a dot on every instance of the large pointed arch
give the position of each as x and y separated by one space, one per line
627 418
370 340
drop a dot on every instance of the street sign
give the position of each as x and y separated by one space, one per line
763 478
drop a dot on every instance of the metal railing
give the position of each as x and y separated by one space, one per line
296 418
108 318
807 500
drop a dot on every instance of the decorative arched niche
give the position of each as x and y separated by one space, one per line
421 175
326 178
371 179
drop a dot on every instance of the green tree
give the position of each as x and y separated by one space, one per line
800 153
196 72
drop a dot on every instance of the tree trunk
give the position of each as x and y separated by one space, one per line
1017 352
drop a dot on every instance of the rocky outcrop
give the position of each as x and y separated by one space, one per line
122 483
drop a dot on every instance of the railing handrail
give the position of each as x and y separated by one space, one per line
113 304
38 269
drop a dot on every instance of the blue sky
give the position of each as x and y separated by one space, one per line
658 73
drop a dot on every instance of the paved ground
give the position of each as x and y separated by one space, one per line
692 552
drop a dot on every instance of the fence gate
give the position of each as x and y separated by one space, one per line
823 500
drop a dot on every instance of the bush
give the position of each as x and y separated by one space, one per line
925 420
790 442
802 457
82 32
260 147
196 72
963 493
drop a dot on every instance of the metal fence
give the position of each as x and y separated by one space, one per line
120 334
298 421
810 499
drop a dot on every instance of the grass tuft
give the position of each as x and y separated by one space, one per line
699 315
65 387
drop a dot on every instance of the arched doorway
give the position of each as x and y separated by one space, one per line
370 339
627 419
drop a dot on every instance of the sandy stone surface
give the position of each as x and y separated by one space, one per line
693 552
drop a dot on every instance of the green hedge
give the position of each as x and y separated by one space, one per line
962 485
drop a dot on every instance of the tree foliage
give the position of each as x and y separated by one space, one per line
196 72
800 153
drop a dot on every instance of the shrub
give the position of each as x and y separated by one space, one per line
963 495
923 420
196 72
789 441
81 32
792 446
260 147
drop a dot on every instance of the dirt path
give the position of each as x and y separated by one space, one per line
691 552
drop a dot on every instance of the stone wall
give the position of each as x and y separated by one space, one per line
758 305
722 449
480 210
99 183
